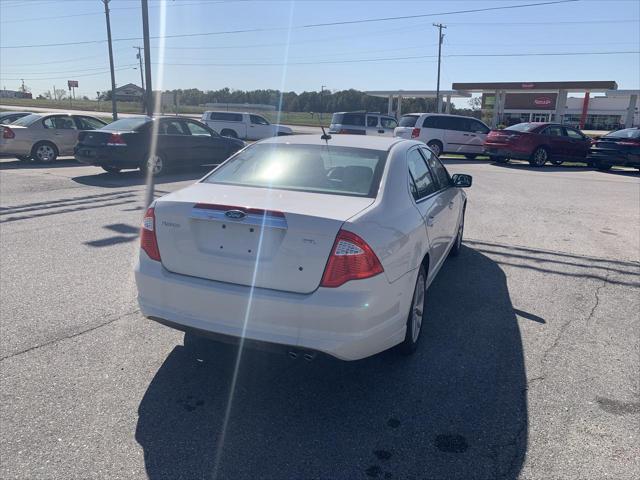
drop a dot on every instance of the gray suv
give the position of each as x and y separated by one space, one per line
363 123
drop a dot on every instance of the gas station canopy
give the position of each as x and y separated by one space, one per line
400 94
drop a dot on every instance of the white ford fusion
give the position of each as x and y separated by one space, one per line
318 245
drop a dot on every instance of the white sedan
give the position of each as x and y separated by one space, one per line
317 245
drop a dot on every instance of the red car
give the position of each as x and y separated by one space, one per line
538 143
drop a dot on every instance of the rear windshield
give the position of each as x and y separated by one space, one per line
408 121
28 120
127 124
626 133
523 127
348 119
307 168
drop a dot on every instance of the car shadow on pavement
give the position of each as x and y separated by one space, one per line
456 409
15 164
130 178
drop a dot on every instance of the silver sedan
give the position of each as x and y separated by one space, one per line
45 137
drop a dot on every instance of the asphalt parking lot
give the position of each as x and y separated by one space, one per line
528 366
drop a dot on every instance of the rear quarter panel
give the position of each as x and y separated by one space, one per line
393 226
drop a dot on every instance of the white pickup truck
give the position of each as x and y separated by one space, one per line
247 126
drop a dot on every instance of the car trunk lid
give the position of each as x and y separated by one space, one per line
94 138
272 239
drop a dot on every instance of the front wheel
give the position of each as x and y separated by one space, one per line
416 314
435 147
539 157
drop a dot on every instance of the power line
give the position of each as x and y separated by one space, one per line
299 27
414 57
56 17
60 76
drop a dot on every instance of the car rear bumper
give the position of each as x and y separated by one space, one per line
14 148
613 157
106 157
359 319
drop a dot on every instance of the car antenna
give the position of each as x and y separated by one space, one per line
325 136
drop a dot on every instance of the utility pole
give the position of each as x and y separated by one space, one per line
23 90
440 38
150 193
147 56
114 108
139 57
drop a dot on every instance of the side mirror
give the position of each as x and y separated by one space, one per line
461 180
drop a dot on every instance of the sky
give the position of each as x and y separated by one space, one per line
289 51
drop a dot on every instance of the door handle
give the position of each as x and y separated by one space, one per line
431 221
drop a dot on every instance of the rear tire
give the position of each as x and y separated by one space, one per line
157 164
436 147
227 132
111 169
416 314
44 152
457 244
539 157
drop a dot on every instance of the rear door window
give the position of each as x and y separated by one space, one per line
554 131
421 182
59 122
372 121
433 121
172 127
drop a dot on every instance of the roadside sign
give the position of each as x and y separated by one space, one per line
72 83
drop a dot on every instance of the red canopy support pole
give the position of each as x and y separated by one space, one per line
585 109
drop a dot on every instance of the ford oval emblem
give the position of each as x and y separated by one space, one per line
235 214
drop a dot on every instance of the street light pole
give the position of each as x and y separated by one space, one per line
114 108
440 38
139 57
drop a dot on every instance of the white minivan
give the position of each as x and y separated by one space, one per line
444 133
247 126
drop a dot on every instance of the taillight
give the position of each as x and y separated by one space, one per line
148 240
8 133
351 259
116 140
415 133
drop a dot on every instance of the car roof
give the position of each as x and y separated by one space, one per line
13 112
439 114
354 141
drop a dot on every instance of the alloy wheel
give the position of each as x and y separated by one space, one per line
45 153
155 164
